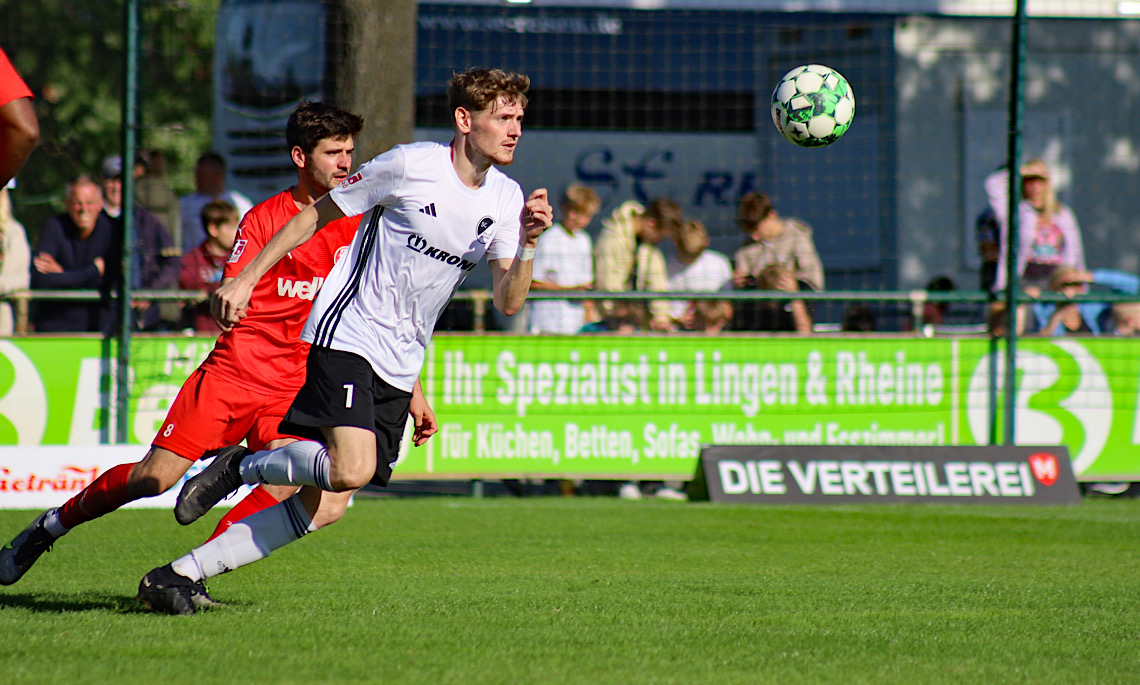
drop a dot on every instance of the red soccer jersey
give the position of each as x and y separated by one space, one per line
12 87
264 352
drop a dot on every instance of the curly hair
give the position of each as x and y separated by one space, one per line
479 89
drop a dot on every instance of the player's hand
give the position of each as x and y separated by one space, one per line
424 419
537 215
229 302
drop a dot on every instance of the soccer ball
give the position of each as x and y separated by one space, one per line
813 105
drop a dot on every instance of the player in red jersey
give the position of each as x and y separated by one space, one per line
245 386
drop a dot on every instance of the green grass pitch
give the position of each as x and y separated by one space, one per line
597 590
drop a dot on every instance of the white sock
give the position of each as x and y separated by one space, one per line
53 526
299 463
248 540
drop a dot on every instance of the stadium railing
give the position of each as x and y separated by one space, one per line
481 300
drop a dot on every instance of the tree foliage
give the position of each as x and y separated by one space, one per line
70 52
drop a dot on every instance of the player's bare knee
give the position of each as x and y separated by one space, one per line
350 479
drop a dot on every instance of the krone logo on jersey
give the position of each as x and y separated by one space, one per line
303 290
417 243
351 179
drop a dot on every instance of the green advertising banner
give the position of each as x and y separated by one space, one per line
610 407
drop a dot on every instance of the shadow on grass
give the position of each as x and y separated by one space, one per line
57 604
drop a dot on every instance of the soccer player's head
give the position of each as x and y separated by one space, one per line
487 107
311 122
321 141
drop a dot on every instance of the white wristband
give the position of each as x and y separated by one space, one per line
525 253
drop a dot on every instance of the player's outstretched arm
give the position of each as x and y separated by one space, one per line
19 135
231 300
512 277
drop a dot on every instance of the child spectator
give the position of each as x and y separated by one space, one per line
564 262
697 269
202 267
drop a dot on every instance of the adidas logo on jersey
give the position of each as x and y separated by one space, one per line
304 290
429 210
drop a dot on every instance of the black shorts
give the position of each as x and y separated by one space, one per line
341 389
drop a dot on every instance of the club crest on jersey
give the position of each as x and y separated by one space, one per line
235 254
417 243
340 252
484 224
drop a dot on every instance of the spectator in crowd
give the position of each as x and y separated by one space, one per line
78 249
1095 318
774 240
697 269
202 267
624 316
210 185
1048 233
775 315
858 318
153 191
997 318
627 256
987 232
155 262
933 313
1126 318
15 260
565 263
19 128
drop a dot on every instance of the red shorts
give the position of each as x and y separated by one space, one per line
212 412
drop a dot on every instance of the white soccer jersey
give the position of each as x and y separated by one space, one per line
421 232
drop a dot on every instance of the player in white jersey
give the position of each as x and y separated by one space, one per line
431 212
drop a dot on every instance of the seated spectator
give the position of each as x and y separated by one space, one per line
78 249
15 260
774 240
1096 318
202 267
564 263
858 318
155 263
1126 318
624 317
775 315
997 318
626 256
933 313
697 269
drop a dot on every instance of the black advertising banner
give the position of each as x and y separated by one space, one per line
837 474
